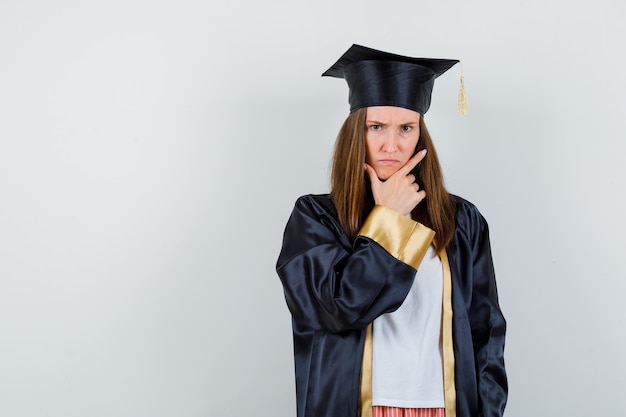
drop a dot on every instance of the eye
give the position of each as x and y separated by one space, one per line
376 127
407 129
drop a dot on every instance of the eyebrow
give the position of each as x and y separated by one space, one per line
376 122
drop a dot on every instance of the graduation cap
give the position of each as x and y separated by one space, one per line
378 78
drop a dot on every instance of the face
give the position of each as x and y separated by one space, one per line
391 138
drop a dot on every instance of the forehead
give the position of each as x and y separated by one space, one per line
392 114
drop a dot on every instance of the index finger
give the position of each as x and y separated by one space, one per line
412 163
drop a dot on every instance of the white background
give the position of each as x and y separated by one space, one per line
151 152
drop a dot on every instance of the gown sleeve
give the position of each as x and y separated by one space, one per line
488 326
332 283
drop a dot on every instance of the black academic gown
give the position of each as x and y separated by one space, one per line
335 287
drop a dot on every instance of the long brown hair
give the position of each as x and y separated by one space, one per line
352 195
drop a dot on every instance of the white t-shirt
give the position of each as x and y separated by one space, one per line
407 368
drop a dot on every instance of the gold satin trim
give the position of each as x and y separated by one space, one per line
404 238
449 389
366 374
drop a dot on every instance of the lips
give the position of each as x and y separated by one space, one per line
388 161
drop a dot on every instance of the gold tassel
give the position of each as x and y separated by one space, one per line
462 102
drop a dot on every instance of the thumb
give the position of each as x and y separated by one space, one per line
372 174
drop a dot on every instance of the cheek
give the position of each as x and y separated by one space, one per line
410 149
415 146
368 151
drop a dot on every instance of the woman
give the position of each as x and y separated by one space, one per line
389 278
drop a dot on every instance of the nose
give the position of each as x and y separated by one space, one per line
390 144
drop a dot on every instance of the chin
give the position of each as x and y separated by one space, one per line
384 175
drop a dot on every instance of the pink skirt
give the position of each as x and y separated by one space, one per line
384 411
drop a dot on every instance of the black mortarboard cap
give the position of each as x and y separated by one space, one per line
378 78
